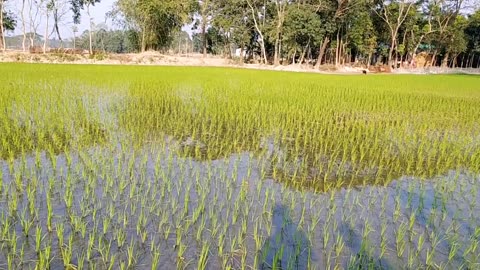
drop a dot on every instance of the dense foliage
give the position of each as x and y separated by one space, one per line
304 31
393 32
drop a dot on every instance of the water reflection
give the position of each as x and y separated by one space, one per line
288 246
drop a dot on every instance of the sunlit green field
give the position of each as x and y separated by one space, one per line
113 167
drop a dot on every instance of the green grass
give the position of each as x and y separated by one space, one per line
129 156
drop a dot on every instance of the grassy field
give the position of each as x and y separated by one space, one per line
114 167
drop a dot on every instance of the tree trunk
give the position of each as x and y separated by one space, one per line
445 60
276 61
204 37
278 44
241 55
33 26
55 22
2 31
321 52
309 54
264 52
144 43
302 57
90 40
337 49
414 51
467 64
454 61
433 62
402 55
90 29
23 26
390 52
257 27
280 50
369 60
280 8
45 39
230 50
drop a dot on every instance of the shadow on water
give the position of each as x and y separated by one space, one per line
329 153
361 257
288 246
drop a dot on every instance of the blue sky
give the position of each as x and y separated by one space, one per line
98 13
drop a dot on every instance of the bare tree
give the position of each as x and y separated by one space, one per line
2 30
280 7
90 29
261 40
34 20
47 8
59 10
24 28
449 10
204 14
394 13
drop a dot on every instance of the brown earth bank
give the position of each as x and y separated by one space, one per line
153 58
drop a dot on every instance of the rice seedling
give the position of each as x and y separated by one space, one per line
151 167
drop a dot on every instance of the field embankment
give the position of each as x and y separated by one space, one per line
152 58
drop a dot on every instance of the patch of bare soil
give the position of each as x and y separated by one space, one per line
157 59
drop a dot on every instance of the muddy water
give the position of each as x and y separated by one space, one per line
121 201
154 196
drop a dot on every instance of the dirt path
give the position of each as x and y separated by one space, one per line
156 59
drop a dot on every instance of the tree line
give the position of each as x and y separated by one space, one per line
337 32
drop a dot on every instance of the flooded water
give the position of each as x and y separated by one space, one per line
183 178
131 202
